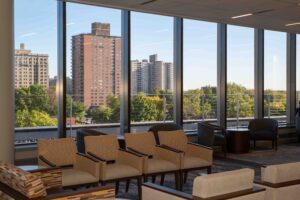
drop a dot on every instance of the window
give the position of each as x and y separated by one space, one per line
240 75
35 88
199 72
152 81
275 75
93 67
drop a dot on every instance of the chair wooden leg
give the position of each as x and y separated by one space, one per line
276 144
272 144
180 180
153 179
225 150
254 143
209 170
177 180
127 185
117 187
145 178
139 184
162 179
185 177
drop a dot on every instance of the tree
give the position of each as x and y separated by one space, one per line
25 118
78 109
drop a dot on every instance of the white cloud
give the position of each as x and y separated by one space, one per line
28 34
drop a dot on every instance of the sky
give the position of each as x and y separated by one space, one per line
36 26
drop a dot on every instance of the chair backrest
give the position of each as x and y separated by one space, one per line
163 127
283 181
263 125
205 134
103 146
226 183
142 142
81 133
58 151
175 139
22 182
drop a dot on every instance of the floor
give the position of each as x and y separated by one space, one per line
254 159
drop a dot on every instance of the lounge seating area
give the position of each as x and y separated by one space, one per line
150 100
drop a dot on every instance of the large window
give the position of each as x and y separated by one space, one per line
93 67
275 75
35 69
240 75
199 72
152 80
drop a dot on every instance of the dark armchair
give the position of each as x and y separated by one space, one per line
163 127
264 129
211 135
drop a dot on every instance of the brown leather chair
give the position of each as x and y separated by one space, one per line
193 156
115 164
157 160
77 169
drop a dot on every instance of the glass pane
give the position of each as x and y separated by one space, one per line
275 75
35 70
199 73
240 75
298 70
151 70
93 68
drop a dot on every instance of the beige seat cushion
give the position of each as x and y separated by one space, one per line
193 162
75 177
223 183
281 173
158 165
175 139
116 171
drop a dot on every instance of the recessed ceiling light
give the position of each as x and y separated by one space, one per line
293 24
240 16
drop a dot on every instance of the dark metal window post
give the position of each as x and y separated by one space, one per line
61 64
125 74
259 73
178 69
291 78
221 74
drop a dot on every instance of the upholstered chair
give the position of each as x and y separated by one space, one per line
163 127
281 181
264 129
77 169
156 159
115 164
193 156
17 184
232 185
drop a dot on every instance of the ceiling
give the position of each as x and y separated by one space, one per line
274 16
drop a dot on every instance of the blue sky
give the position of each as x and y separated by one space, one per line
36 26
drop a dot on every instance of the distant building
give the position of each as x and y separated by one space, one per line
30 68
96 65
148 76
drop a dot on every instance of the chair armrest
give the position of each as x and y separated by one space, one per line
200 151
169 155
131 159
96 157
154 191
44 162
88 164
171 148
138 152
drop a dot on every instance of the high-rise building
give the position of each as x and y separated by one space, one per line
30 68
96 65
148 76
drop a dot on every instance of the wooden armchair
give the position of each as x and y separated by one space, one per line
18 184
77 169
193 156
157 160
115 164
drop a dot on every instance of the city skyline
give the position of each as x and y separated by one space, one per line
150 37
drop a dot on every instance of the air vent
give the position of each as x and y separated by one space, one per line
147 2
262 11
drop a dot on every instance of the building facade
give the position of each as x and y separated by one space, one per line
153 75
30 68
96 66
